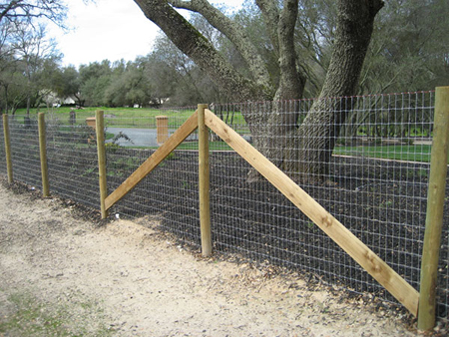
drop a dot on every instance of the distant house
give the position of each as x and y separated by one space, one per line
68 101
52 99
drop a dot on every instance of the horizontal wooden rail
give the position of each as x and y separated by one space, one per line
374 265
154 160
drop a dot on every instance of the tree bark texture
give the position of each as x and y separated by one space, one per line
227 27
316 136
301 146
192 43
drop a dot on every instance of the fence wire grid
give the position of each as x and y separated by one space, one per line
374 180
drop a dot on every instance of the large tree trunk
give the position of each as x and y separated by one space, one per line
316 137
192 43
304 149
312 144
271 123
301 147
28 104
6 98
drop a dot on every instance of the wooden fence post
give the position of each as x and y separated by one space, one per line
7 148
203 146
43 154
434 214
101 149
161 129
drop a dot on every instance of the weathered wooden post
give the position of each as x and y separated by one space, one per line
101 149
203 146
434 214
7 148
43 154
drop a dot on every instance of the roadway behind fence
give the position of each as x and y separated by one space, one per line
376 186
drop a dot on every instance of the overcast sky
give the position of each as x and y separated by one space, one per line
108 29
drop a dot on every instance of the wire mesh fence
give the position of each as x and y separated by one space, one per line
170 192
369 169
374 181
25 150
71 152
72 160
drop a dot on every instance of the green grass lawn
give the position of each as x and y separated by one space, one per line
124 117
193 146
419 153
146 118
213 146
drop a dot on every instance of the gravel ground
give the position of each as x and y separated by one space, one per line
64 275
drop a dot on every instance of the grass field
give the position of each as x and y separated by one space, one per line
146 118
124 117
418 152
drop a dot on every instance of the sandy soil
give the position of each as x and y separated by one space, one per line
124 279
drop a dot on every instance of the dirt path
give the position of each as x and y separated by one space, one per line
63 276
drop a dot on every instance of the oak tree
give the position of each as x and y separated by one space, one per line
302 148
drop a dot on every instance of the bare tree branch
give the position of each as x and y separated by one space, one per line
192 43
6 8
353 35
292 82
235 33
53 10
270 12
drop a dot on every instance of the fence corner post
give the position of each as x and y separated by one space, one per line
204 183
7 137
434 213
101 149
43 154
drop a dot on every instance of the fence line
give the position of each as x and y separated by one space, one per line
374 265
153 161
381 203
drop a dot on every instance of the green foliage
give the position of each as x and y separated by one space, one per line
122 166
213 146
409 49
111 147
127 117
171 156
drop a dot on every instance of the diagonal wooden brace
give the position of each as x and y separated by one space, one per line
364 256
154 160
